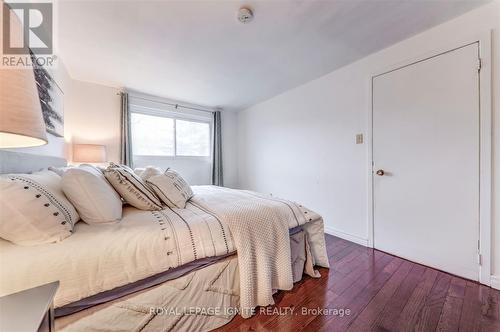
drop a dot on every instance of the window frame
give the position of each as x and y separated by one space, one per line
174 114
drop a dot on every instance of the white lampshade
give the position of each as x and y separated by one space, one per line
89 153
21 120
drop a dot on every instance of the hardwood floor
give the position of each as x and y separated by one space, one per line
383 293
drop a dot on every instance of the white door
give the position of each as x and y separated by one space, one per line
426 144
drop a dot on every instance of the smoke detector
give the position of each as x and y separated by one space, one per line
245 15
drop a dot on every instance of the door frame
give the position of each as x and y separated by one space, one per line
485 146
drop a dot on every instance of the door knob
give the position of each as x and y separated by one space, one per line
380 172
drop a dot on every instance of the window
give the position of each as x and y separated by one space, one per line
192 138
154 135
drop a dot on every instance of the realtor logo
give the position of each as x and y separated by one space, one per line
27 26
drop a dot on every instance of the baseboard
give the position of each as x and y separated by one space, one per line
495 282
346 236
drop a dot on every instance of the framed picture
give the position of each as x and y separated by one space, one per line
51 100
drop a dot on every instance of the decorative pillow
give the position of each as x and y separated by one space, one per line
34 210
172 189
94 198
131 187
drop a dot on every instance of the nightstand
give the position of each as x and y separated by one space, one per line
29 310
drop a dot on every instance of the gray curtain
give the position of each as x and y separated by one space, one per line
126 144
217 175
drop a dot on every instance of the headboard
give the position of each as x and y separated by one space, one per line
17 162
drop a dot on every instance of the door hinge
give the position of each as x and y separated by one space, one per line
480 259
479 64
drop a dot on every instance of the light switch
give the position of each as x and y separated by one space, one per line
359 138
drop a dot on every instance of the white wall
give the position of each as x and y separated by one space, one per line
300 144
93 116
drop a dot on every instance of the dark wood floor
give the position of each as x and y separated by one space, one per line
383 293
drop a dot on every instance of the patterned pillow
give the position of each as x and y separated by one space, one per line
172 189
132 188
34 210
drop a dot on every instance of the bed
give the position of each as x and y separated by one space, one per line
143 244
100 263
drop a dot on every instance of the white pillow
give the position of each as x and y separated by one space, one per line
34 210
60 170
172 189
131 187
139 170
94 198
149 171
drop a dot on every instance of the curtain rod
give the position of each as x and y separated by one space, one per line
171 104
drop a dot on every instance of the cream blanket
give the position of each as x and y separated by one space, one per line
259 226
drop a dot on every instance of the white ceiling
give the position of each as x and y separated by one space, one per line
197 51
